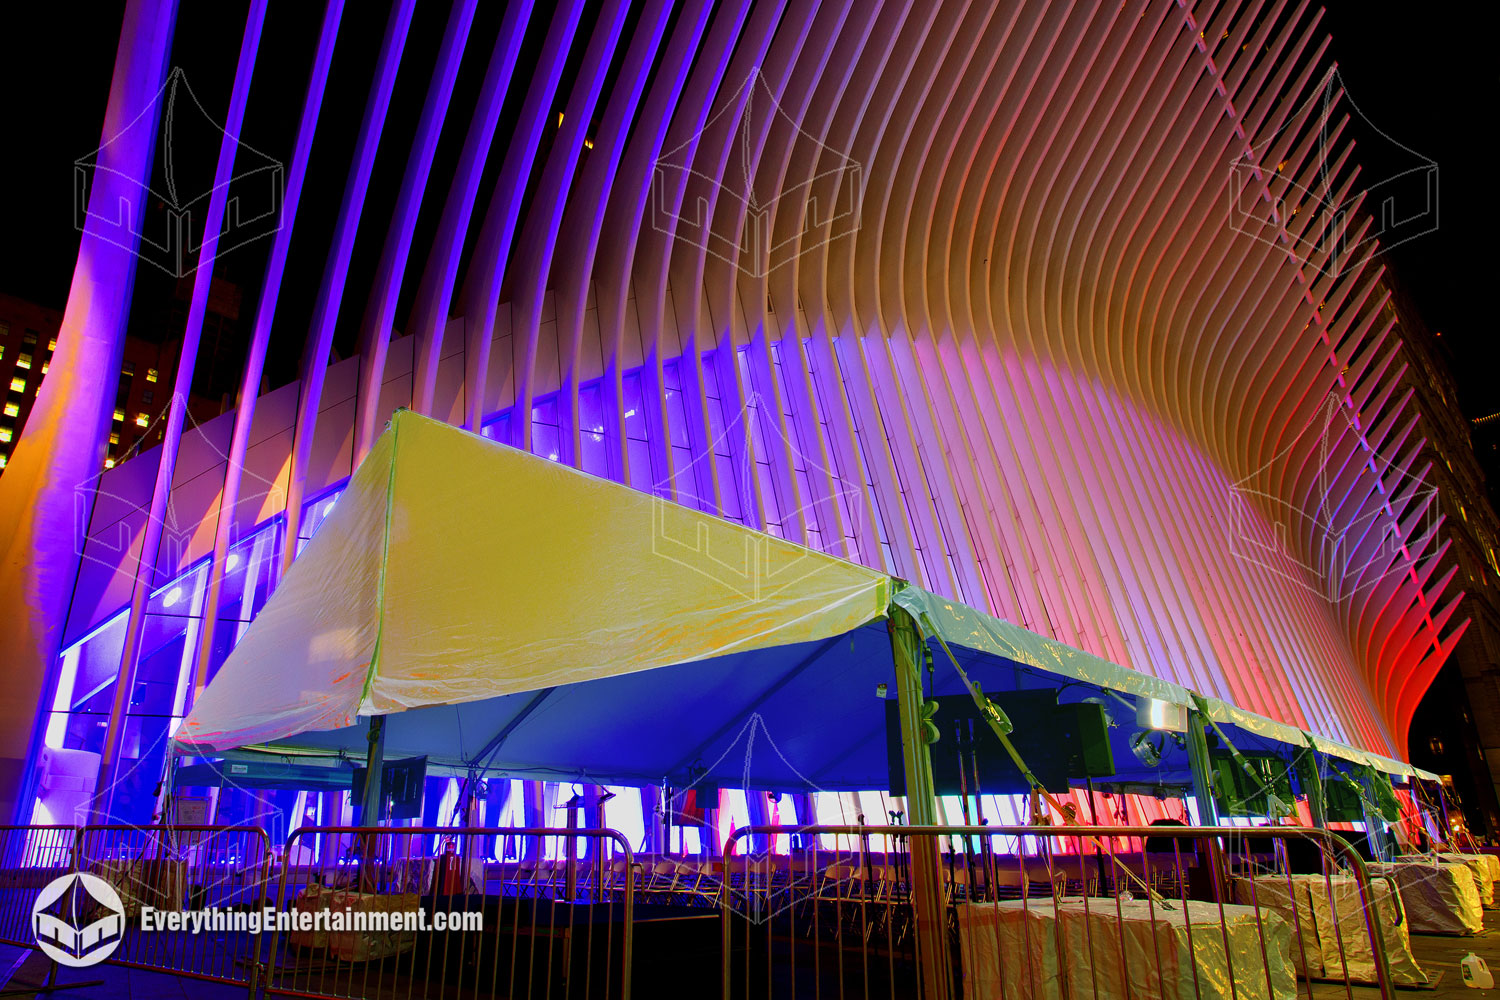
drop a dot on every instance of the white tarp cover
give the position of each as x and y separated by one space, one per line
961 625
455 569
1439 898
1485 868
1011 949
1330 918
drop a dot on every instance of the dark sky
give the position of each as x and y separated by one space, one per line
1423 76
1427 76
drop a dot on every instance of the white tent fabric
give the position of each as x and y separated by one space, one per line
961 625
454 569
456 578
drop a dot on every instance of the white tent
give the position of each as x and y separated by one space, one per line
504 611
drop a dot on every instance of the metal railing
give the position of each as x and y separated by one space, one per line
31 857
183 868
1025 911
556 923
1032 912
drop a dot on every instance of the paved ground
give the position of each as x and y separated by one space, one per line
1438 955
29 969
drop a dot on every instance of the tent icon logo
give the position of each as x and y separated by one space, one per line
760 565
1364 519
772 168
78 920
108 526
162 221
1294 190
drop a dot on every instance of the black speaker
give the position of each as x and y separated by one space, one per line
1083 728
1057 742
401 782
1240 794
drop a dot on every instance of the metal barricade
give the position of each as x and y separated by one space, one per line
197 886
1043 912
31 857
419 912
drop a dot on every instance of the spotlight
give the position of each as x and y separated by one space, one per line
1147 746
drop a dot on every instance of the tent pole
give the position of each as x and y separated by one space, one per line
1315 801
1198 762
374 768
1208 814
370 807
921 807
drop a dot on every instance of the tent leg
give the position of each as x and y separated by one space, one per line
373 799
921 810
1203 794
1197 747
1315 802
374 772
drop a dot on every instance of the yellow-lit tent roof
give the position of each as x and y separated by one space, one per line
479 596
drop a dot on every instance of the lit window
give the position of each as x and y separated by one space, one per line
5 433
119 414
109 463
114 437
18 384
128 368
2 461
141 420
52 344
45 366
150 374
11 409
24 361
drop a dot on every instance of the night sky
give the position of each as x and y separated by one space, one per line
1423 75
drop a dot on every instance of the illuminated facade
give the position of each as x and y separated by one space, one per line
1069 312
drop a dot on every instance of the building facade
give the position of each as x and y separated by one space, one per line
1072 313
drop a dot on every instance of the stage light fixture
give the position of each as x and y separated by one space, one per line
1147 745
1153 713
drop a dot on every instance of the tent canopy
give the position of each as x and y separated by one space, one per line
508 612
